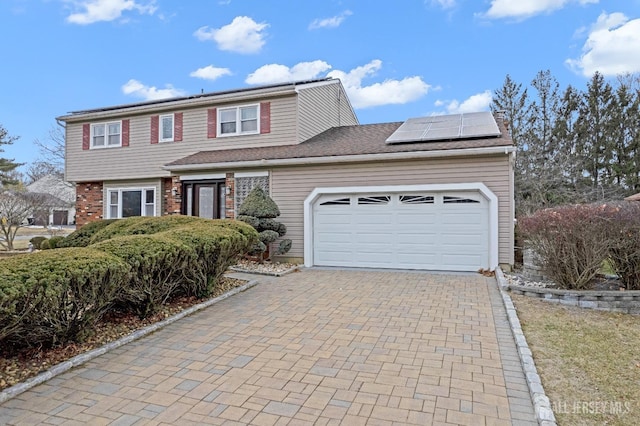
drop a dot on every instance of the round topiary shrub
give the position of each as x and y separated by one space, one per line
259 211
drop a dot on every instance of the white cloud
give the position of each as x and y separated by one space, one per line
332 22
474 103
242 35
612 47
210 72
276 73
523 9
106 10
444 4
388 92
150 93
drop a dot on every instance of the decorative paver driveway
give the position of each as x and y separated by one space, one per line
314 347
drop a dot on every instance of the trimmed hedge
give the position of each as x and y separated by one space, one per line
82 237
56 296
218 244
143 226
157 267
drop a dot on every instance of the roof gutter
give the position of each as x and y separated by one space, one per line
187 103
492 150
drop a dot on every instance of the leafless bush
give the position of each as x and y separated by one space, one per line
572 242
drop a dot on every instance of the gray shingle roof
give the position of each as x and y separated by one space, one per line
340 141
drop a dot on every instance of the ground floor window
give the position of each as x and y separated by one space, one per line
127 202
205 199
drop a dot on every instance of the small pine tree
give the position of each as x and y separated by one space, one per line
259 211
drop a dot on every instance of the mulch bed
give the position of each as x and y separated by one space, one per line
17 367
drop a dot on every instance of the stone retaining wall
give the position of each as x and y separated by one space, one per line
614 301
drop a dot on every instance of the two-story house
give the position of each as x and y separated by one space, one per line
430 193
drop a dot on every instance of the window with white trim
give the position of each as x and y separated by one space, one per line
242 120
106 135
127 202
166 128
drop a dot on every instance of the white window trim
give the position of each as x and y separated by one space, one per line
238 131
173 128
106 135
120 191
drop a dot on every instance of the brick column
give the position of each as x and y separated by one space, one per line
89 202
171 204
230 196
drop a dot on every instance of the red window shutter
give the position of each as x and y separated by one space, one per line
212 123
177 127
86 136
155 124
125 132
265 117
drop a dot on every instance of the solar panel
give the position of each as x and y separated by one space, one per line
446 127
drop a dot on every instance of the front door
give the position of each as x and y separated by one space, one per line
204 199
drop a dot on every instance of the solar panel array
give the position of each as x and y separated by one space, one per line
446 127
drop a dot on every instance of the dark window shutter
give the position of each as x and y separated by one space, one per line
265 117
86 136
177 127
155 123
212 123
125 132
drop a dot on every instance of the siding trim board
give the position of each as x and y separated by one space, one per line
411 155
452 187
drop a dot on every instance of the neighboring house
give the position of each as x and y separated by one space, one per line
433 193
58 201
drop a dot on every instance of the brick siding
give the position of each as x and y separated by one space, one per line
89 202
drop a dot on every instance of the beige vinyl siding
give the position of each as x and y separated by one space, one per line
141 159
133 184
290 187
321 108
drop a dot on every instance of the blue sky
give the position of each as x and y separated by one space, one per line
397 59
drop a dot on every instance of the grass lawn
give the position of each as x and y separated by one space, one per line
589 361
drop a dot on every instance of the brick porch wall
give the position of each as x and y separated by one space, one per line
89 202
171 204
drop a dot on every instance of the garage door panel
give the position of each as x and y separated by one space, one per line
334 219
462 218
398 234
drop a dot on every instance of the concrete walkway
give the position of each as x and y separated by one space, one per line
314 347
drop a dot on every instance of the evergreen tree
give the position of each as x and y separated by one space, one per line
7 166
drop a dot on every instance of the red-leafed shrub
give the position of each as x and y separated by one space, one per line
624 254
571 242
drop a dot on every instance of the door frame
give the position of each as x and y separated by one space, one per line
216 183
451 187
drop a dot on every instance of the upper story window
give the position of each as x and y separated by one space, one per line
105 135
241 120
166 128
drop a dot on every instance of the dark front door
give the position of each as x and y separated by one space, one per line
205 199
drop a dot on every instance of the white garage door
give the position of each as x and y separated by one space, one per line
428 231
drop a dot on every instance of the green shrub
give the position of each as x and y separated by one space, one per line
82 237
218 244
36 241
158 267
45 245
143 226
55 241
56 296
572 242
259 211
